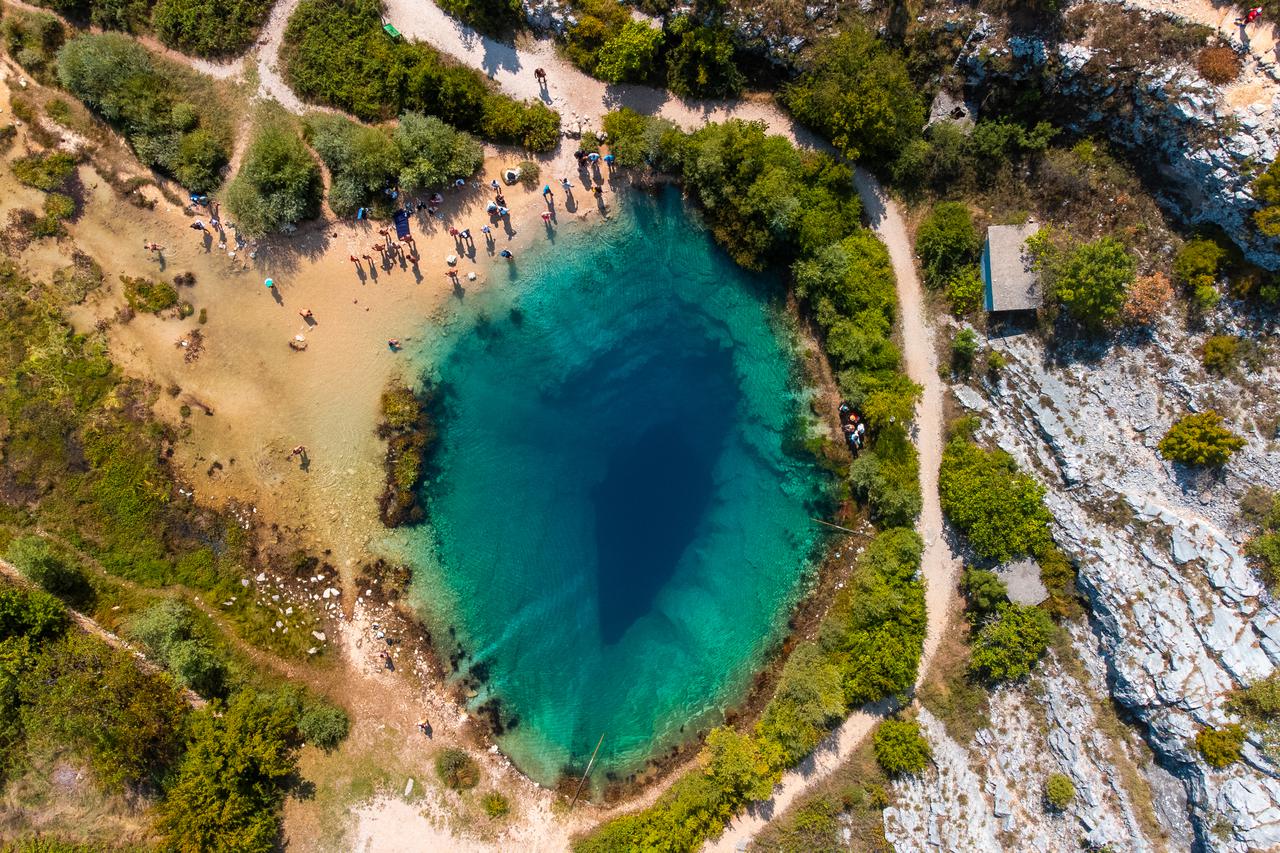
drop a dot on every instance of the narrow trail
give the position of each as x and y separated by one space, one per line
89 626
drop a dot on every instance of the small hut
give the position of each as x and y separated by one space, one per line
1009 283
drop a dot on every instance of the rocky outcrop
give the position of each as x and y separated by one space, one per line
1179 617
989 797
1204 144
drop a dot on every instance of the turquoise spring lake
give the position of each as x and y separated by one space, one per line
616 529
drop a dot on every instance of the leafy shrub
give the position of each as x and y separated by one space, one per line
432 153
324 725
167 630
700 60
900 747
143 294
1219 353
457 769
946 242
1200 439
948 158
964 346
1266 190
1220 747
495 805
1149 298
598 22
122 82
240 759
128 15
1000 509
32 556
1218 64
964 290
1059 791
125 723
858 94
887 476
33 40
335 53
492 16
46 172
1091 281
1197 265
629 56
363 161
32 615
278 183
209 27
1009 644
984 592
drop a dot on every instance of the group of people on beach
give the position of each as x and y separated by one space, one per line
854 427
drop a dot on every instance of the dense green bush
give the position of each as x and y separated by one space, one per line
432 153
964 347
128 15
37 562
125 723
887 477
1262 509
1200 439
278 183
209 27
30 615
701 60
1000 509
858 94
964 290
152 105
900 747
496 17
947 242
324 725
1010 643
143 294
1219 353
598 22
232 779
629 56
457 769
1197 265
168 632
46 172
495 805
984 592
1266 190
335 53
947 158
33 39
1091 280
363 161
1220 747
1059 791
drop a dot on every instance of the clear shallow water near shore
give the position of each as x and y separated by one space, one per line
616 533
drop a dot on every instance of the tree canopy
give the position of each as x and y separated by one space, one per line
278 183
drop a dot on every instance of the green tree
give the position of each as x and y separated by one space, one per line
125 722
1266 191
1059 791
1009 644
233 776
457 769
984 592
32 614
1093 282
946 242
1200 439
33 557
278 183
208 27
736 765
998 507
433 153
496 17
859 95
324 725
362 160
700 60
900 748
1220 747
1197 265
887 477
629 56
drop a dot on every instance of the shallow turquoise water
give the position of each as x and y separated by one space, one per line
616 533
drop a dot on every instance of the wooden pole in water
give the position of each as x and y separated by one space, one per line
836 526
586 772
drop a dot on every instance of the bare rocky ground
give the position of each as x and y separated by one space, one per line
1177 617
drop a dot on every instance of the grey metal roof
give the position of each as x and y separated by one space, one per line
1011 283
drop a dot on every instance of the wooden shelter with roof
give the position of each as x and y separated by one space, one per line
1009 283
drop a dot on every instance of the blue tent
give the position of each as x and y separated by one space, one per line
401 220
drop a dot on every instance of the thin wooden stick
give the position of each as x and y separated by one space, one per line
586 772
836 526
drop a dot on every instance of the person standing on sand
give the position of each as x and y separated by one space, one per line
506 253
547 194
424 726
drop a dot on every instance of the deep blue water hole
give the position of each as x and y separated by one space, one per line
616 533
